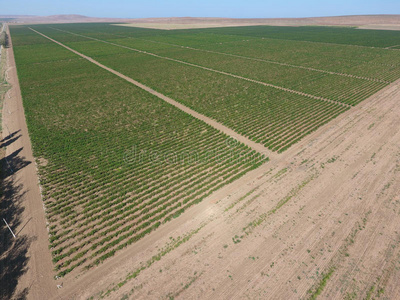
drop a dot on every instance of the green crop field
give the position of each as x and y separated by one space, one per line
272 91
115 162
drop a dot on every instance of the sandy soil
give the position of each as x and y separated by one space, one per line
381 26
330 203
38 278
172 26
364 22
189 22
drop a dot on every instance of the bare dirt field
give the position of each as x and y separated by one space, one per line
380 26
363 22
321 218
389 22
172 26
325 212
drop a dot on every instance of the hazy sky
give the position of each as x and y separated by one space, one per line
201 8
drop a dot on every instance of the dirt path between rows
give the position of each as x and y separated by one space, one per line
342 175
204 68
255 58
37 281
255 146
341 187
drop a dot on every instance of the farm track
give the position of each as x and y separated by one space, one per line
392 47
208 69
365 145
348 138
23 172
333 195
254 59
312 42
255 146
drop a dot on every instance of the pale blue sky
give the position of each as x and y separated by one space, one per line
204 8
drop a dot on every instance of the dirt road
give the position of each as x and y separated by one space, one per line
326 211
255 146
184 63
38 279
321 218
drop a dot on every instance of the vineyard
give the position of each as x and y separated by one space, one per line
116 162
345 78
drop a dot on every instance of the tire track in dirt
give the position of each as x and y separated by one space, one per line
253 145
382 218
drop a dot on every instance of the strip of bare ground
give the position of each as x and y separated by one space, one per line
255 146
246 180
285 256
36 271
347 136
207 69
255 58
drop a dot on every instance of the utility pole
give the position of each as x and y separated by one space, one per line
9 228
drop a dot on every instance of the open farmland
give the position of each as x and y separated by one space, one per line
116 161
259 95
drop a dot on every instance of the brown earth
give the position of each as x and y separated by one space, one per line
369 22
329 203
36 266
364 21
381 26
